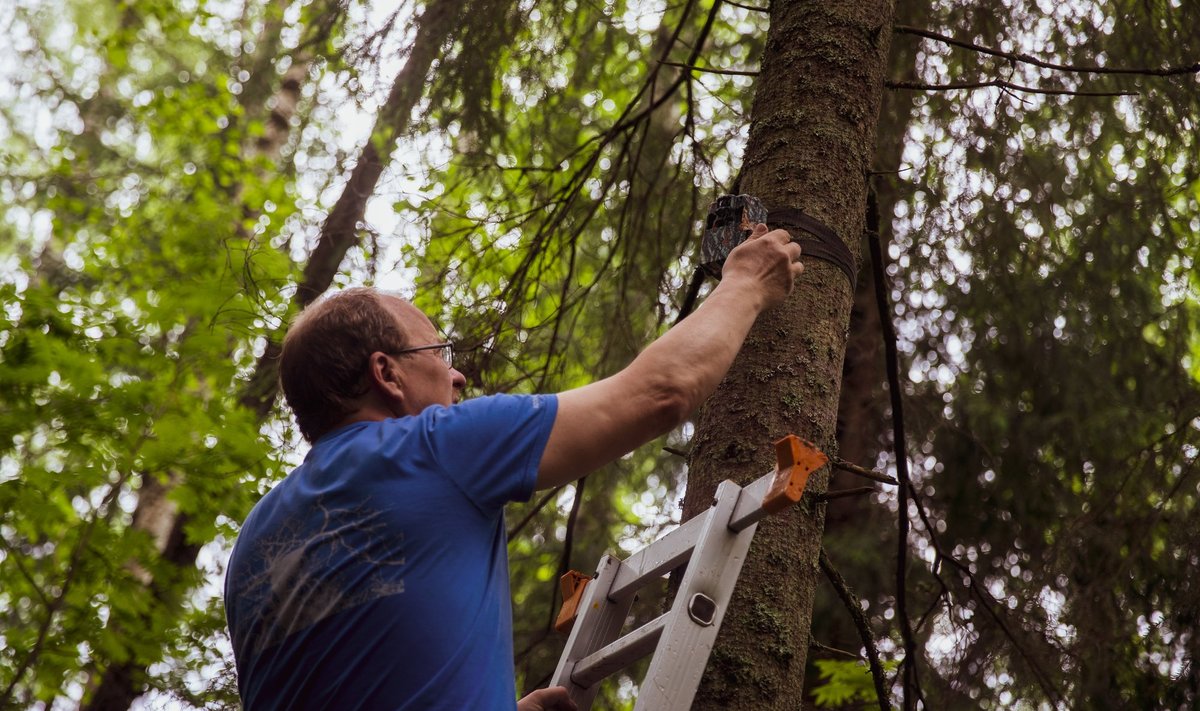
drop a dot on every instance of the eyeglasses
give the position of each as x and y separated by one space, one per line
446 351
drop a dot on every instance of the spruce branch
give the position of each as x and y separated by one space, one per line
909 492
920 86
1027 59
908 669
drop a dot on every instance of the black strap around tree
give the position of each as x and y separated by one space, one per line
826 245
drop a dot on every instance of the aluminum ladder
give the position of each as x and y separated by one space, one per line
714 546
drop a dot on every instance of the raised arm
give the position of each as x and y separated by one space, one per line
601 422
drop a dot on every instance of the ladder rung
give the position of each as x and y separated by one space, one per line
619 654
664 555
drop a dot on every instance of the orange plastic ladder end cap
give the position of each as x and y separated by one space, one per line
573 584
795 460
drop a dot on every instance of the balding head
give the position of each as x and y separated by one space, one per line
323 366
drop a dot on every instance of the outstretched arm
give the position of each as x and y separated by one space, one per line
601 422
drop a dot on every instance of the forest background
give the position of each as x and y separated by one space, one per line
180 178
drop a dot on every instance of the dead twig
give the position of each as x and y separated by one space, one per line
1026 59
850 600
1000 84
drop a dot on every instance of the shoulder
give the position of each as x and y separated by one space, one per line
504 406
499 413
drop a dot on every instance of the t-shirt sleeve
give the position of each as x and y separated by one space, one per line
491 447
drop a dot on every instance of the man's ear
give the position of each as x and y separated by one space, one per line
385 377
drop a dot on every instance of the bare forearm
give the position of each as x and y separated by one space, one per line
694 356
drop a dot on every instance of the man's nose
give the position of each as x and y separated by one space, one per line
457 379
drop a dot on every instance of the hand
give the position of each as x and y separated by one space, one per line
768 261
554 698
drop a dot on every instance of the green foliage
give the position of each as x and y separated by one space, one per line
1042 263
845 682
142 283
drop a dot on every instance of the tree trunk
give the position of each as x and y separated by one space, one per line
812 138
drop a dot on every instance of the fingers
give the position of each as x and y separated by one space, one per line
554 698
769 259
780 237
793 251
796 265
760 230
784 238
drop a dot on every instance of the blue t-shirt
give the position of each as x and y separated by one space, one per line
375 576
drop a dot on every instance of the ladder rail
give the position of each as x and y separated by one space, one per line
714 546
749 508
605 618
674 674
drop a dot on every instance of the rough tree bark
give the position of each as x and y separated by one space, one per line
812 138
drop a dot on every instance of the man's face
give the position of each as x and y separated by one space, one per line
425 378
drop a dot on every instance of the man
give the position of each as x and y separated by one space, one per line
375 576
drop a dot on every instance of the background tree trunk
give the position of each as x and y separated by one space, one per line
812 139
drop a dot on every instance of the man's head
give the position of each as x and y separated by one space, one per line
342 362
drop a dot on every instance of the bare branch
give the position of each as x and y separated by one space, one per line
863 472
843 493
1001 84
813 644
533 512
751 8
850 600
676 451
712 70
1026 59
